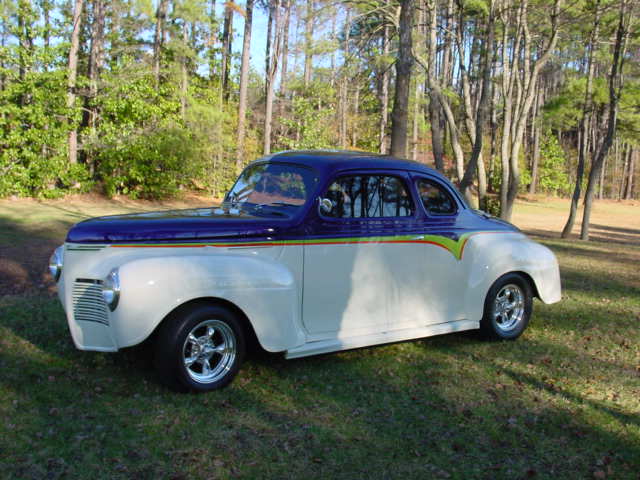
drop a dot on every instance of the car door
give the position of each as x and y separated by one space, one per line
433 291
349 266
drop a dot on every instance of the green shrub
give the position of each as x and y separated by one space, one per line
34 129
552 174
152 164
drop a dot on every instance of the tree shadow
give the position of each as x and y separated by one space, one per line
592 250
24 256
598 234
631 231
608 283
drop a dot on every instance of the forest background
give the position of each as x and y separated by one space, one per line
149 98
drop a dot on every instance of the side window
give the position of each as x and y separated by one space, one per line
369 196
436 200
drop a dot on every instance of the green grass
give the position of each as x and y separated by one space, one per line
561 402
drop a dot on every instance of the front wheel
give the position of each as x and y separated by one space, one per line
200 349
507 308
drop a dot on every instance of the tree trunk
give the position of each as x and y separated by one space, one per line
46 6
213 34
625 166
96 55
632 157
271 73
384 97
158 39
482 184
227 33
184 74
494 135
25 16
416 113
244 82
404 63
602 179
447 55
585 125
482 113
535 154
615 89
526 77
71 79
334 39
343 90
96 63
343 109
535 161
115 44
308 43
437 137
285 48
267 52
435 119
356 109
437 95
296 38
3 44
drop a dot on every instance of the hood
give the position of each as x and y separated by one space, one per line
191 224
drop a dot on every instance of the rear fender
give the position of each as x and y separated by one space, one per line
490 256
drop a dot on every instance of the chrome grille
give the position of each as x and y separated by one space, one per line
88 304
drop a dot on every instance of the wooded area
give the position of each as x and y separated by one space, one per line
145 98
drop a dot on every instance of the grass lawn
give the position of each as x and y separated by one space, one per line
561 402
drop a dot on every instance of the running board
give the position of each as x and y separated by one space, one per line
348 343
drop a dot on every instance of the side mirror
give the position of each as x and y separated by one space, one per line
324 205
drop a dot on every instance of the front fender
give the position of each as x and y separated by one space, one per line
264 289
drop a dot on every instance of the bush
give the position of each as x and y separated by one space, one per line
552 175
151 164
34 130
145 147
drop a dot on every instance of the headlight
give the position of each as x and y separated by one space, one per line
111 289
55 262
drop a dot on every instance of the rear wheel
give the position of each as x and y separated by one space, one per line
507 308
200 348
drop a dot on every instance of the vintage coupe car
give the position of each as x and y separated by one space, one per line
311 252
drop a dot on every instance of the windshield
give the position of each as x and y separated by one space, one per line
273 184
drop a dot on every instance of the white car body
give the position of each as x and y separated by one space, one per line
305 285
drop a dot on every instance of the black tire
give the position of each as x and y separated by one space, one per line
221 351
499 322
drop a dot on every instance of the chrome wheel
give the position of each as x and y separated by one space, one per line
209 351
509 307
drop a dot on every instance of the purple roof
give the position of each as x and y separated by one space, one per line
346 159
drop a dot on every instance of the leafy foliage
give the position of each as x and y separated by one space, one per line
312 126
33 128
123 111
553 177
